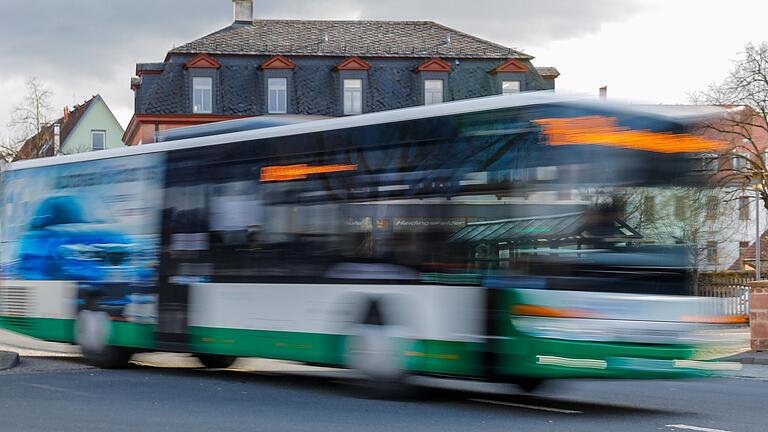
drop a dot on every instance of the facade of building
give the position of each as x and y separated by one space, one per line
719 223
321 68
88 126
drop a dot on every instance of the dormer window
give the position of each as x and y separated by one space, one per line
433 76
203 72
278 79
278 95
202 95
353 76
510 76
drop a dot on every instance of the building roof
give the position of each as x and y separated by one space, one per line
347 38
38 144
748 254
548 71
149 67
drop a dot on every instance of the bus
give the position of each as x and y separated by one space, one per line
469 239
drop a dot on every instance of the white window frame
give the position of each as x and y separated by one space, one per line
202 95
103 134
508 88
745 208
353 96
740 162
433 95
712 252
277 88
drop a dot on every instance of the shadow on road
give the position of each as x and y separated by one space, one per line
343 383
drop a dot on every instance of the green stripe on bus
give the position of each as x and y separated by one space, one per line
454 358
50 329
126 334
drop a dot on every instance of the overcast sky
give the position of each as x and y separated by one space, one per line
655 51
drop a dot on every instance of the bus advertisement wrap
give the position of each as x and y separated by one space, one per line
96 224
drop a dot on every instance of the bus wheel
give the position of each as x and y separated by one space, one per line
92 334
213 361
373 348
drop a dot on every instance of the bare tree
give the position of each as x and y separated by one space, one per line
700 218
33 113
8 149
745 93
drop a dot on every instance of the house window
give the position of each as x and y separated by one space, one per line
510 87
710 163
744 208
680 208
278 95
202 95
353 96
649 208
98 140
740 162
713 205
712 252
433 92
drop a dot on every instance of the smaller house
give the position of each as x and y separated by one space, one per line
88 126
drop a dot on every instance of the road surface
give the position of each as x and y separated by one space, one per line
55 391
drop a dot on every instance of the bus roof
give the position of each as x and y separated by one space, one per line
412 113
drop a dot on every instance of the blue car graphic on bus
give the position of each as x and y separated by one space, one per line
64 242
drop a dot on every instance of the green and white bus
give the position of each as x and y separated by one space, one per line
444 240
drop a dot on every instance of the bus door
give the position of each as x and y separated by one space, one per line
184 261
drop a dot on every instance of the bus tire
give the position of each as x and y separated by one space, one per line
213 361
373 348
92 334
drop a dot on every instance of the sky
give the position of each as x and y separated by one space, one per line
653 51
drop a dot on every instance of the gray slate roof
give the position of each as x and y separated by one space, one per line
150 66
347 38
548 71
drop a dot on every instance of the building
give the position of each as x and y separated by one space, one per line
321 68
717 222
88 126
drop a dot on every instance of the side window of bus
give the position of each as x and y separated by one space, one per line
236 213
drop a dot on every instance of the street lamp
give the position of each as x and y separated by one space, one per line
757 184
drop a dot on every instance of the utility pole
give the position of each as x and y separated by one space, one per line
757 234
757 184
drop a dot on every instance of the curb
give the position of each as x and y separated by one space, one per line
750 357
8 360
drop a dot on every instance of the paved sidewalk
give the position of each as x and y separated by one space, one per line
751 358
10 341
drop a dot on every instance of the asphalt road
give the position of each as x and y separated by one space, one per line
60 393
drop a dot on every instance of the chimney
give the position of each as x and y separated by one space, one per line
243 11
56 138
66 114
603 92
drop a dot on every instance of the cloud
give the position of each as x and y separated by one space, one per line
515 23
87 46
